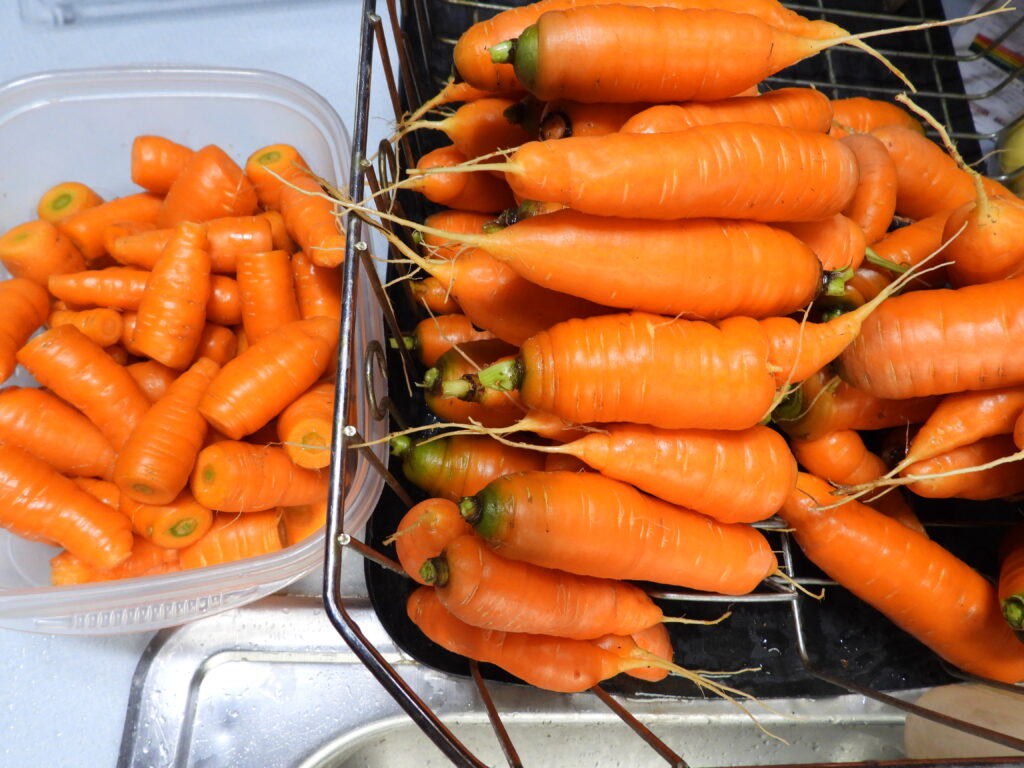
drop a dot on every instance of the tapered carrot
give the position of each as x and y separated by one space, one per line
102 325
267 290
455 466
424 531
227 237
488 408
172 311
152 377
156 162
478 127
910 245
174 524
232 476
235 537
925 590
262 380
38 249
146 559
859 114
563 118
86 228
317 289
653 640
36 501
104 490
452 220
593 525
65 199
874 203
303 521
26 306
209 186
433 336
217 343
838 241
305 427
803 108
434 295
155 463
958 473
477 191
268 167
984 241
115 287
312 221
45 426
1011 578
77 370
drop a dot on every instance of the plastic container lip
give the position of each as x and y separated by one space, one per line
160 601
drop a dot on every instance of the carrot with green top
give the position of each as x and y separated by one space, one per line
64 199
76 369
156 162
210 185
26 306
37 249
452 398
235 537
306 427
267 291
86 228
1011 578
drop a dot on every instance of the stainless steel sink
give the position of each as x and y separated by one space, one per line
273 685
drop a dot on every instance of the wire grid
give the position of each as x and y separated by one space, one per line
424 52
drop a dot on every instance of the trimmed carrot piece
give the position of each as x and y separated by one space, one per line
303 521
434 336
563 118
26 306
317 289
38 249
235 537
152 377
64 199
38 502
115 287
434 295
312 221
45 426
424 531
210 185
267 291
232 476
267 166
156 162
305 427
77 370
146 559
87 227
102 325
218 343
172 525
280 239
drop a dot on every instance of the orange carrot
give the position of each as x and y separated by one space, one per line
36 501
451 220
478 127
156 162
478 191
37 249
653 640
104 490
489 408
102 325
174 524
86 228
34 420
261 381
562 118
317 289
303 521
268 166
925 591
172 312
838 241
26 306
65 199
803 108
434 295
209 186
267 291
152 377
424 531
910 245
156 461
874 203
455 466
77 370
433 336
232 476
227 237
1011 578
279 237
593 525
235 537
306 426
984 241
860 114
930 478
146 559
312 221
115 287
218 343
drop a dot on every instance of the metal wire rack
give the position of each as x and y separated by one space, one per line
414 49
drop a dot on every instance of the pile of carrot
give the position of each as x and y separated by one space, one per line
710 305
184 339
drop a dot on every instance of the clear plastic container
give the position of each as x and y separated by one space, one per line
78 126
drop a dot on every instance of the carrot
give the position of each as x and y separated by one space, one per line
26 306
1010 587
732 476
174 524
312 221
874 203
115 287
984 241
102 325
156 162
261 381
838 241
593 525
225 305
37 249
478 127
146 559
267 166
172 311
910 245
227 237
860 114
41 424
104 490
77 370
455 466
317 289
424 531
154 464
433 336
841 458
86 228
451 220
235 537
303 521
563 118
217 343
803 108
267 291
926 591
958 473
434 295
940 341
479 192
153 378
489 408
279 237
38 502
209 186
232 476
65 199
305 428
486 590
653 640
